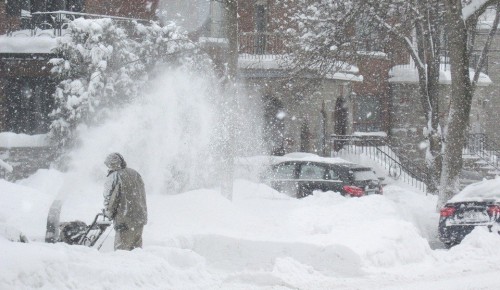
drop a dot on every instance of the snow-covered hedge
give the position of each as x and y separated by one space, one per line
104 64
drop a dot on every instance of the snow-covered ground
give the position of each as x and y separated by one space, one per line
197 239
260 240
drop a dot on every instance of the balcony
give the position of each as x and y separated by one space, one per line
407 73
261 45
55 23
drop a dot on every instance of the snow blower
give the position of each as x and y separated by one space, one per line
74 232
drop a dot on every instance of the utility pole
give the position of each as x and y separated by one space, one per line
230 95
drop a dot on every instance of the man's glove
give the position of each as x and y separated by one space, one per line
107 213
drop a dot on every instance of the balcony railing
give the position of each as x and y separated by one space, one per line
481 146
445 62
55 23
262 43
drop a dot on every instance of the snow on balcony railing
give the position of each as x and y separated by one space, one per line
262 44
55 23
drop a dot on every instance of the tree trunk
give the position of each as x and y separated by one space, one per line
460 104
428 30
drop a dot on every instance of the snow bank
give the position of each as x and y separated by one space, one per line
9 139
260 240
23 208
60 266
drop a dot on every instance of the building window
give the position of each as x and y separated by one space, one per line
260 28
274 125
474 60
305 137
14 7
29 103
368 36
75 5
367 114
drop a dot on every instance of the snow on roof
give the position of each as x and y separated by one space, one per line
377 134
213 40
9 139
303 156
27 44
487 189
377 54
279 62
408 74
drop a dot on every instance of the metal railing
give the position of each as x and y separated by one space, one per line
253 44
478 144
55 23
445 62
378 150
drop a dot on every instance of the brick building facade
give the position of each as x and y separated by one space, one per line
26 84
299 121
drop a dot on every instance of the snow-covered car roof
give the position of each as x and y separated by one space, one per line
302 156
483 190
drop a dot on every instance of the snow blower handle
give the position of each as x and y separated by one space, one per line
106 214
95 230
106 219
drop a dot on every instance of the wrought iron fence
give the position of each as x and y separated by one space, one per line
253 44
479 145
378 150
55 23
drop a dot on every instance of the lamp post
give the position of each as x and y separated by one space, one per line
230 95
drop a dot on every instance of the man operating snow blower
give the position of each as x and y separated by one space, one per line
125 202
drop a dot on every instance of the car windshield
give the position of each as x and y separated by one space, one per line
312 171
364 175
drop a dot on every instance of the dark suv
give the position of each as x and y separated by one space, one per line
300 178
477 205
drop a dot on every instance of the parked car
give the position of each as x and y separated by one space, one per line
477 205
300 177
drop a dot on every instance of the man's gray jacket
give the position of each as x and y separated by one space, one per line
125 198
